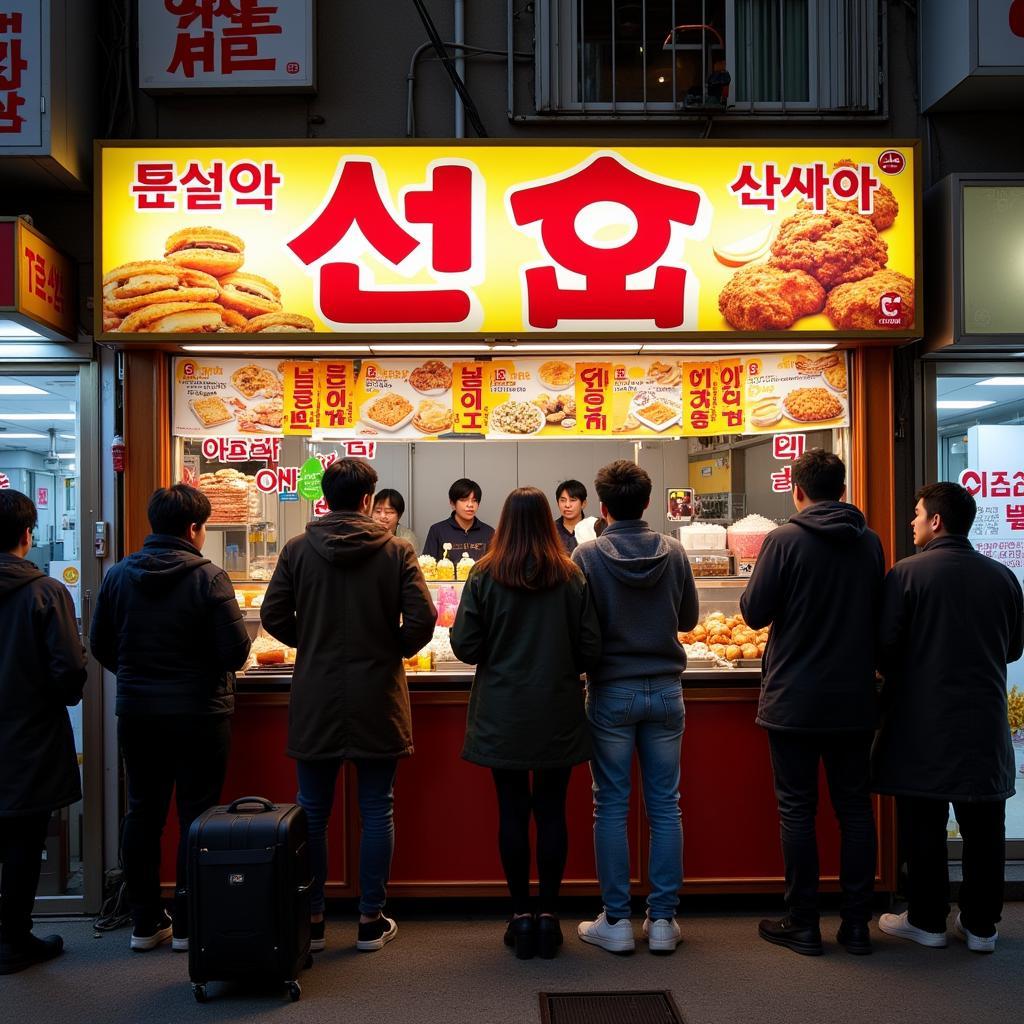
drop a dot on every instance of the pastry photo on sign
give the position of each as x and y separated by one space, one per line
196 287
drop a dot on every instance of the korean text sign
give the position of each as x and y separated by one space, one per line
196 44
512 240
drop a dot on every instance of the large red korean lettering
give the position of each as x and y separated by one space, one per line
655 205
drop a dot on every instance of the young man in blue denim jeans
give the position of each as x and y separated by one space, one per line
644 592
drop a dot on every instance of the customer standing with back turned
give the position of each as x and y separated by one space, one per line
645 595
818 583
350 596
42 673
168 626
526 621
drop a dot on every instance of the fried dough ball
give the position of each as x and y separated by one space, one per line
764 297
856 306
833 247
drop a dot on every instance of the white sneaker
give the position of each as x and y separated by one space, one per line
662 934
977 943
900 926
616 938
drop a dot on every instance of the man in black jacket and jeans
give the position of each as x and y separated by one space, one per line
168 625
952 619
818 583
42 672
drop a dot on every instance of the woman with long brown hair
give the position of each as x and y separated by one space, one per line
526 621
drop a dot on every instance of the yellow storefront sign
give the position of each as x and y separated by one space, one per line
504 240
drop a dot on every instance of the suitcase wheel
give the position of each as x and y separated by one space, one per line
199 991
294 991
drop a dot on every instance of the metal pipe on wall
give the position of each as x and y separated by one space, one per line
459 37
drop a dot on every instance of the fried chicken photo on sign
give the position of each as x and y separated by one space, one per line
857 306
833 247
768 298
884 206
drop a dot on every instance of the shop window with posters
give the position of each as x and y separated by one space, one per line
981 446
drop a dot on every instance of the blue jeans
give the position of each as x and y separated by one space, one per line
645 715
376 784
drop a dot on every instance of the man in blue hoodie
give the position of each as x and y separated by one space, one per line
168 626
644 593
818 583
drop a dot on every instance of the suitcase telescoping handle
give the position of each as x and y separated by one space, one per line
264 804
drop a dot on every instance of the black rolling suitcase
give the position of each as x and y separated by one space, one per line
248 894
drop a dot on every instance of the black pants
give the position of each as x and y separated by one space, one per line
186 754
795 759
21 853
546 802
922 825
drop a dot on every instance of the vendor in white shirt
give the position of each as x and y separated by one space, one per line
573 526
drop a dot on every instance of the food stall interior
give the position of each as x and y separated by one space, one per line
740 492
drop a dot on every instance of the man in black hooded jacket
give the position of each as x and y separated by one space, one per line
818 583
42 672
168 625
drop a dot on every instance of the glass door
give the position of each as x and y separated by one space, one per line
45 415
979 441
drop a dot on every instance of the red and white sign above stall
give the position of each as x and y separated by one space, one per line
226 44
21 66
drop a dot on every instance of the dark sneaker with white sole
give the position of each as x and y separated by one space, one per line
317 940
149 935
19 956
376 934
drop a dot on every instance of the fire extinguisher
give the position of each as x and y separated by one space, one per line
117 453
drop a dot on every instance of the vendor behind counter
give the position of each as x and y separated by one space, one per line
462 529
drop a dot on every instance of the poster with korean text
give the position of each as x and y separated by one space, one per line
796 391
230 397
501 240
403 399
995 477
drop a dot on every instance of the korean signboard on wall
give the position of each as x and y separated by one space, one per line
37 282
502 399
508 240
231 44
21 71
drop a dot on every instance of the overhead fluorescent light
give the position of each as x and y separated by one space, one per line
382 349
944 404
44 416
4 436
740 346
69 437
249 350
563 347
998 382
13 331
20 389
65 455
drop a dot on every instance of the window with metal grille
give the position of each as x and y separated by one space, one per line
664 56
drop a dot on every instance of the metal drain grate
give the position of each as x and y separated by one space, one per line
656 1007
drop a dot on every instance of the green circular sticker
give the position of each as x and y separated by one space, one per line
310 477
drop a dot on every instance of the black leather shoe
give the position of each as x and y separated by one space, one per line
549 936
801 938
855 936
521 935
15 957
